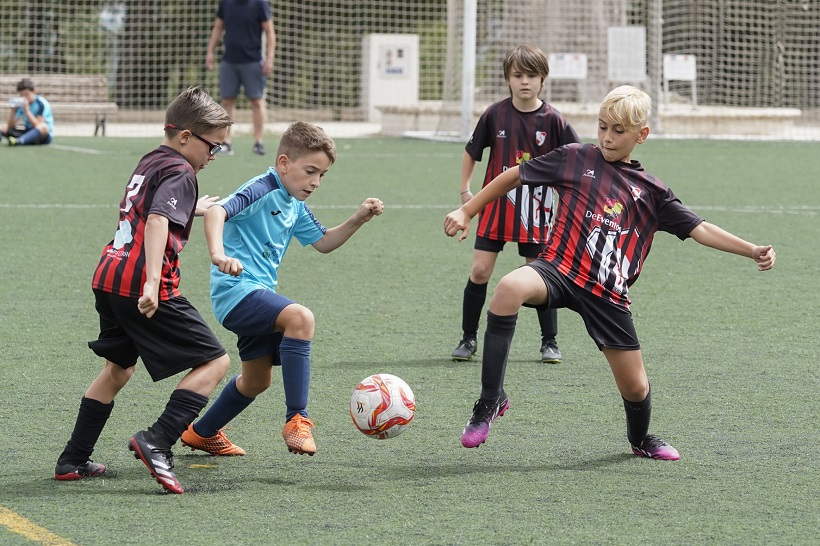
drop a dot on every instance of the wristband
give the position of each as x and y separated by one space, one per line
465 191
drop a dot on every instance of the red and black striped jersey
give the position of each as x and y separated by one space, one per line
606 217
163 183
523 215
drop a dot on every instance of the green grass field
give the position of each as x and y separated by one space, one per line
731 354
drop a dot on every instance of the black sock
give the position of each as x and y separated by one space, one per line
497 340
474 297
91 419
638 415
181 410
548 319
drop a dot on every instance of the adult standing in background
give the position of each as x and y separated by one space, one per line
242 23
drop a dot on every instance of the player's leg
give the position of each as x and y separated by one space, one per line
253 79
630 377
114 345
297 324
35 135
229 85
253 320
207 433
547 316
485 256
174 340
75 461
523 285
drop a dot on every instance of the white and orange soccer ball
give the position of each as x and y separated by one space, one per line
382 406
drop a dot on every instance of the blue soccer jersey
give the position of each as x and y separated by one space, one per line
40 107
262 219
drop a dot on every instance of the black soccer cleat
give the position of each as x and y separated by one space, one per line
70 471
160 462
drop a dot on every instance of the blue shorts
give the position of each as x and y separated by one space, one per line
526 250
248 75
609 325
253 320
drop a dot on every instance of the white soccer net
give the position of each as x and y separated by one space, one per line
750 54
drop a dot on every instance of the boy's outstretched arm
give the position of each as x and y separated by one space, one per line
337 236
214 227
459 219
715 237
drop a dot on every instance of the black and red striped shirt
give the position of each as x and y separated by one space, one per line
606 217
163 183
523 215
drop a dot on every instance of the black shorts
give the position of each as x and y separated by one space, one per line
527 250
176 338
609 325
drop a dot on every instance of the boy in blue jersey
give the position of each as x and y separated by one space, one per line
30 118
248 234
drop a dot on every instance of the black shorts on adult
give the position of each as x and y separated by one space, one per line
174 339
609 325
527 250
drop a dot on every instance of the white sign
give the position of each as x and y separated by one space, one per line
568 66
394 62
627 54
680 67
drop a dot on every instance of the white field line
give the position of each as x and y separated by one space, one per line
753 209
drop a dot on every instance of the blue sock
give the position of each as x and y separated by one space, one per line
230 403
295 357
32 136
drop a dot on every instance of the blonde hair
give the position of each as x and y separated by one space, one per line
301 139
628 106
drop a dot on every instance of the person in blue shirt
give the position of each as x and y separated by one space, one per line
30 119
248 233
240 24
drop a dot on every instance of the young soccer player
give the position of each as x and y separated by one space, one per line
136 286
30 120
515 130
248 233
608 212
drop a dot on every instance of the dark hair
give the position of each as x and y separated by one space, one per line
194 109
528 59
301 139
25 84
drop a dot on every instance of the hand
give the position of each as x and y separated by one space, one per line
209 61
370 208
204 203
149 301
764 256
229 266
267 67
457 221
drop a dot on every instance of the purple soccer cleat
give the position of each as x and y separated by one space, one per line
484 413
655 448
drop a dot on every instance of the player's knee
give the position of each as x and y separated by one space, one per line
220 365
298 321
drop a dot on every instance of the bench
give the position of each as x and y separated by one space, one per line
71 96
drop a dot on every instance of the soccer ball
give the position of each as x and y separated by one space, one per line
382 406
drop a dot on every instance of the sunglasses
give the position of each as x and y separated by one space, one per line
213 147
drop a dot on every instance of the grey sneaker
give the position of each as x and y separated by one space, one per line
550 353
259 148
467 347
226 149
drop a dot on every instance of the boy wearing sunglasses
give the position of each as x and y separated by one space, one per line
142 313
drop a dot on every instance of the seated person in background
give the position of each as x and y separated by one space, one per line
30 119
